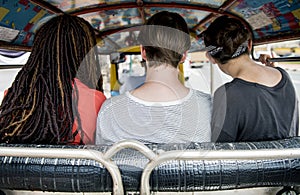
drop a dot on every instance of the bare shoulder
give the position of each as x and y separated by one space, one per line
272 76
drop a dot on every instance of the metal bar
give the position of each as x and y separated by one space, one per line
105 7
276 39
10 66
213 155
205 20
221 9
227 4
130 144
11 46
285 59
47 6
139 4
141 10
69 153
102 7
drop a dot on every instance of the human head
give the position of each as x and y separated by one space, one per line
70 44
165 38
40 106
226 38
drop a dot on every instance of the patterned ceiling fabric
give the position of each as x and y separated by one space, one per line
23 17
269 19
110 19
192 17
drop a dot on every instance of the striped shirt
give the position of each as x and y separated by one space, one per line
181 121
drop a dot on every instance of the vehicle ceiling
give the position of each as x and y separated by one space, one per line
117 21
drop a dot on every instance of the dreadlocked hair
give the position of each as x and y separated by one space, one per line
41 105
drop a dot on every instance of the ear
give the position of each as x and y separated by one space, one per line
184 55
250 45
143 52
211 59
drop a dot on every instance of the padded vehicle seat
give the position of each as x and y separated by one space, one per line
88 175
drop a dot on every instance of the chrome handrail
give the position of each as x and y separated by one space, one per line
70 154
212 155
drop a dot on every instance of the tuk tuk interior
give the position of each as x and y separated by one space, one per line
131 167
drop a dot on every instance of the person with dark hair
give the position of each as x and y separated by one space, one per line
162 110
57 94
260 102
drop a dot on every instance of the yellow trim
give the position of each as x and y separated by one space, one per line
37 17
114 84
181 73
131 49
100 42
3 12
193 35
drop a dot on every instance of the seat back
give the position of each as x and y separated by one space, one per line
153 167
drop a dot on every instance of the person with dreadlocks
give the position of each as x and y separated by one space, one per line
260 103
57 94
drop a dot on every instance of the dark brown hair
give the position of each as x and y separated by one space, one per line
226 35
165 38
40 106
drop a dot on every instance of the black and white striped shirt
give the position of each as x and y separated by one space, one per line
181 121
